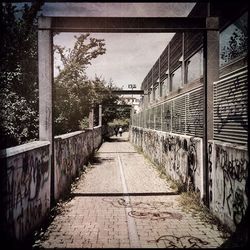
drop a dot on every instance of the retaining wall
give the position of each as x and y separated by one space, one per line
71 153
228 171
25 188
180 155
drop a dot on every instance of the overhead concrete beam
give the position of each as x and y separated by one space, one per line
127 24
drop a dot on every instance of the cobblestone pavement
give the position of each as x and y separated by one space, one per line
121 202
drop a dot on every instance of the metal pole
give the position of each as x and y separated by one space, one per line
205 156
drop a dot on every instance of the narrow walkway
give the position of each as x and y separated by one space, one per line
121 202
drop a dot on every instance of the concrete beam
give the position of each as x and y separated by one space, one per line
127 24
128 92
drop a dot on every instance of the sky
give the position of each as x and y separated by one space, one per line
129 56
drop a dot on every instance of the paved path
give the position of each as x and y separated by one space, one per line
121 202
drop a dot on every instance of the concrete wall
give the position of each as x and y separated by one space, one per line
228 170
25 187
180 155
25 177
182 158
71 152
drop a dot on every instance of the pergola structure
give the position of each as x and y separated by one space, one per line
47 25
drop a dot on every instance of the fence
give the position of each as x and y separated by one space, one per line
182 114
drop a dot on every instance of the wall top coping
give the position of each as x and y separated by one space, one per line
169 133
228 144
8 152
68 135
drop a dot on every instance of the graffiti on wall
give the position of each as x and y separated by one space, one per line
71 154
195 113
179 155
182 159
231 104
27 190
230 168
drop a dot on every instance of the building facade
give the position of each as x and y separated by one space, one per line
170 127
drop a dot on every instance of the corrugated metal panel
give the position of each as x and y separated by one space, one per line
175 51
151 118
178 115
155 71
157 111
230 108
195 113
192 40
167 117
164 62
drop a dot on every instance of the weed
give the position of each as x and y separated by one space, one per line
173 184
190 202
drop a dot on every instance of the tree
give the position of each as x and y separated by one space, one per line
75 93
18 74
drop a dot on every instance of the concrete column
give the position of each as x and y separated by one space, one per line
91 118
212 68
100 115
45 79
45 67
211 74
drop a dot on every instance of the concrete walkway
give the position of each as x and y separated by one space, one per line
121 202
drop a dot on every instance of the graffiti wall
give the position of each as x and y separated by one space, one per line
228 170
97 136
231 108
180 155
71 153
182 158
25 187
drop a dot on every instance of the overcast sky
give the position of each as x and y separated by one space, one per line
129 56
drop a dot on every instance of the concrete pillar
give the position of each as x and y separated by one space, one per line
211 74
91 118
45 67
45 79
100 115
213 51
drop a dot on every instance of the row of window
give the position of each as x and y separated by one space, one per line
233 44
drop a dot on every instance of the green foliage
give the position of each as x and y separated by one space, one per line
124 123
18 74
75 94
84 123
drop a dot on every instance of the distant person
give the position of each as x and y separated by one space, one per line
120 131
116 131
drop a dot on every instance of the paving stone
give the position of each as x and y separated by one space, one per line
108 221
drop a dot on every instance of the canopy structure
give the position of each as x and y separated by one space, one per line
47 25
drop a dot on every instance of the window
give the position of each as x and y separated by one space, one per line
165 87
194 67
154 90
176 79
233 40
157 92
